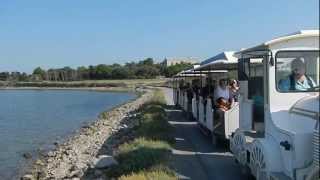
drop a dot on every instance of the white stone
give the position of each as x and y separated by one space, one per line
27 177
104 161
51 154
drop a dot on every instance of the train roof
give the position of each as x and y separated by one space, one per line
282 39
223 61
197 73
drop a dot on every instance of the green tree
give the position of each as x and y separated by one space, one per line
103 71
39 72
174 69
148 61
119 73
83 73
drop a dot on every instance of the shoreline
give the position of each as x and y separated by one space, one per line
73 156
106 89
41 152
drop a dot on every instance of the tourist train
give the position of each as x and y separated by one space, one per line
273 127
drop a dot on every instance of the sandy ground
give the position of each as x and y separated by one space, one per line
194 157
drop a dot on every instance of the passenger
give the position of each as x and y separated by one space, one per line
222 90
221 108
189 97
196 91
234 91
205 91
204 94
297 80
181 83
222 104
211 92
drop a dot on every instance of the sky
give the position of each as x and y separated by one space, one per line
54 34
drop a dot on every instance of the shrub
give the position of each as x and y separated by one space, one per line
141 154
155 174
146 156
155 127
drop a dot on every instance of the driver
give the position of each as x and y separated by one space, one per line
297 80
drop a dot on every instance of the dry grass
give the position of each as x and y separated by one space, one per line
151 175
140 158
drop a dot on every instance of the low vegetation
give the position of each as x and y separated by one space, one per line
156 173
147 155
127 83
144 69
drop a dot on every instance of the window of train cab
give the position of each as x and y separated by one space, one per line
297 71
251 70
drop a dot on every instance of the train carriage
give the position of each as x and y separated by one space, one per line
279 108
221 66
274 129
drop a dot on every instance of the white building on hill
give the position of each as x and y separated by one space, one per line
172 61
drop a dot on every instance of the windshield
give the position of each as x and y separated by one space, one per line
297 71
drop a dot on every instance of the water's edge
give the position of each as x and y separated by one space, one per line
43 165
104 89
26 164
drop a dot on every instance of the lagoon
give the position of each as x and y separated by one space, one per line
34 119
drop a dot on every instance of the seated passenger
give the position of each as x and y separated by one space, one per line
222 90
204 94
222 104
234 91
181 82
205 91
297 80
189 97
221 108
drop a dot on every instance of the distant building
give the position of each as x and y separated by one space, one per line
172 61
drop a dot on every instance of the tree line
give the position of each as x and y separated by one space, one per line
144 69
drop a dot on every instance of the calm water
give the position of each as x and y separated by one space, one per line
33 119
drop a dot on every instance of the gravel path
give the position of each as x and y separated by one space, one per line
194 157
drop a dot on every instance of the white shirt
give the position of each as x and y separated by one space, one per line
219 92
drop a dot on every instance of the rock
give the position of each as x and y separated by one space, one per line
98 173
73 168
40 174
104 161
27 155
50 154
39 162
71 159
86 126
76 174
27 177
124 126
